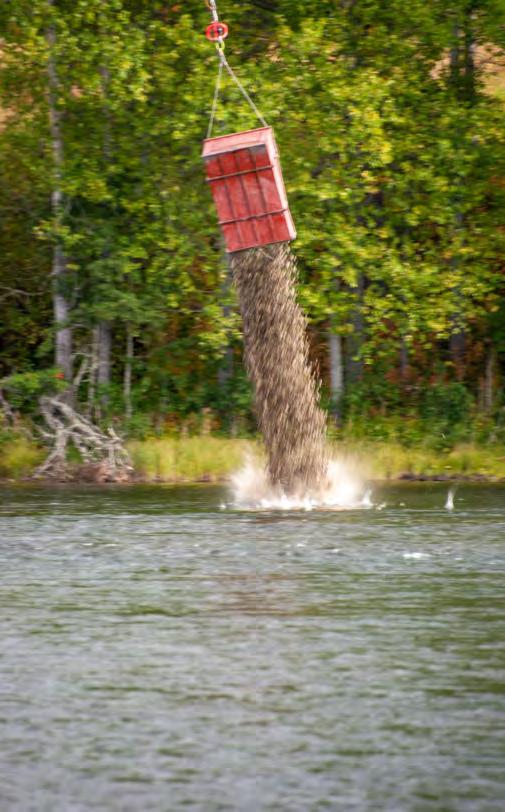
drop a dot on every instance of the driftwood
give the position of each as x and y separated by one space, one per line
103 454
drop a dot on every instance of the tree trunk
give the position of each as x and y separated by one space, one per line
104 341
336 372
100 367
61 311
404 360
225 370
354 343
469 57
59 273
454 59
127 379
92 373
457 339
457 344
462 74
489 379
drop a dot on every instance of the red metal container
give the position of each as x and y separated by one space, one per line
245 177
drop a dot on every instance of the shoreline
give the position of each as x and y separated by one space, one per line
213 460
75 479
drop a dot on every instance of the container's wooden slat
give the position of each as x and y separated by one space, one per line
246 182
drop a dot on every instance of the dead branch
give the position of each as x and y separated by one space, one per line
16 293
103 451
83 368
6 410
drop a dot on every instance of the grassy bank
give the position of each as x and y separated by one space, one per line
213 459
190 459
389 460
19 456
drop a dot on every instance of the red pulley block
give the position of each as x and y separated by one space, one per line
216 31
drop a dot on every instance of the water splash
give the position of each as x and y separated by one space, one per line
251 490
367 500
449 505
416 556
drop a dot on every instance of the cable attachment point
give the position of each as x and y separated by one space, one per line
216 31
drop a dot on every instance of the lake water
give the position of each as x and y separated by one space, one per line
158 653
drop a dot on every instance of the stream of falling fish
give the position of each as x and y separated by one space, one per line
286 388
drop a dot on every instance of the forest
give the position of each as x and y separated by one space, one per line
114 283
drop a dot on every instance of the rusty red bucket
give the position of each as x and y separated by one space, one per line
245 177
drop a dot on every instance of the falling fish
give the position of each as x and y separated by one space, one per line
449 505
367 500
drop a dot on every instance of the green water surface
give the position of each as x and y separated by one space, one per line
160 653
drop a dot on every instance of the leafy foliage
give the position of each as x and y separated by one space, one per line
394 157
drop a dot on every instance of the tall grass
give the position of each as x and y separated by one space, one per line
389 460
211 459
19 457
190 459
